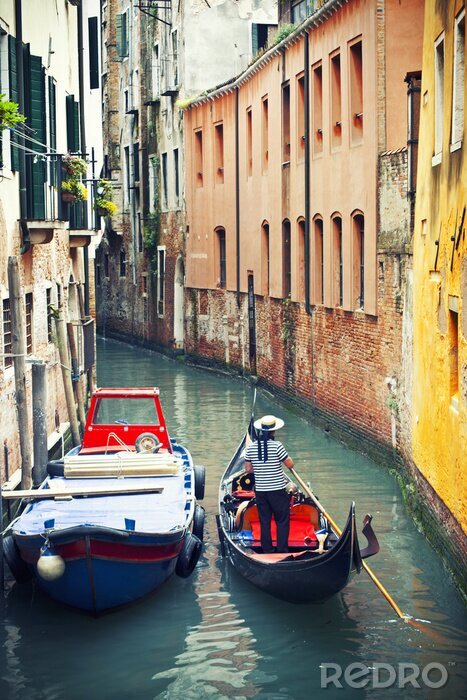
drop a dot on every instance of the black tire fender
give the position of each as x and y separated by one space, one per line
55 467
200 479
18 567
189 555
198 522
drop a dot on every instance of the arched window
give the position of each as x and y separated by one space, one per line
301 258
358 260
265 258
337 261
286 259
318 260
221 258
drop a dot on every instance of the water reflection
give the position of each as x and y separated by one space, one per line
215 635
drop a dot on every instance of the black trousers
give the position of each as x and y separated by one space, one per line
277 503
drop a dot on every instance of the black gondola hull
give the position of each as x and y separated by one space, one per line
305 579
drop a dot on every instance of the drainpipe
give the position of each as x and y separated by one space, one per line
131 153
20 137
82 128
237 197
306 76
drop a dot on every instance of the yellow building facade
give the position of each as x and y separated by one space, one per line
440 267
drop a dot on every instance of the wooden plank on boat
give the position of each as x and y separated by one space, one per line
49 493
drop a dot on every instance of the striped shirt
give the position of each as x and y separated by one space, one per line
268 475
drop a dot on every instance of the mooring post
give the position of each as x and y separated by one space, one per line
18 349
66 375
39 422
76 379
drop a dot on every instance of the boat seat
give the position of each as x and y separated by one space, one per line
304 519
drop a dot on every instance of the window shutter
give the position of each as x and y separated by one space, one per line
119 36
136 162
254 39
76 126
38 123
70 131
13 86
125 34
93 53
52 127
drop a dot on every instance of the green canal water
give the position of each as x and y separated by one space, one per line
216 636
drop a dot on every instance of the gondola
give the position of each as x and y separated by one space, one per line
319 563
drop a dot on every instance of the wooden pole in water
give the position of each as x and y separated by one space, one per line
18 348
39 422
66 374
336 528
76 379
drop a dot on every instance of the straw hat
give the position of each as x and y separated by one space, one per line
270 423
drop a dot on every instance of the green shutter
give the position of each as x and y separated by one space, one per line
76 125
119 37
38 123
254 39
70 130
13 85
122 35
125 36
93 53
52 127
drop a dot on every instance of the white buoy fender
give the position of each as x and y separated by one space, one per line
50 565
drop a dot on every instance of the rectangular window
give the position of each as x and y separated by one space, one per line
106 265
439 97
72 123
300 118
156 81
160 279
164 180
145 284
199 157
286 124
453 352
48 303
249 143
259 37
356 92
219 152
458 94
175 57
127 172
318 109
93 38
265 135
301 260
7 341
336 101
122 35
222 258
176 177
318 262
153 182
286 260
29 323
136 162
122 262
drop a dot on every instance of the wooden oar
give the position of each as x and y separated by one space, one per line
335 527
64 493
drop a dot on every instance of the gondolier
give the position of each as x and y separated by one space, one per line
265 457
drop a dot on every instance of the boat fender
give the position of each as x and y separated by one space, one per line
55 467
50 565
189 556
20 570
221 535
198 522
200 478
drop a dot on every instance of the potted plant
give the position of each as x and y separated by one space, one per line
74 166
103 202
9 115
73 190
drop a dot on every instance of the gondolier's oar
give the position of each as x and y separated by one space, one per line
370 573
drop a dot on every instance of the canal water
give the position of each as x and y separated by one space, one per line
216 636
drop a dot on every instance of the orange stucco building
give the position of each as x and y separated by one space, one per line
296 191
